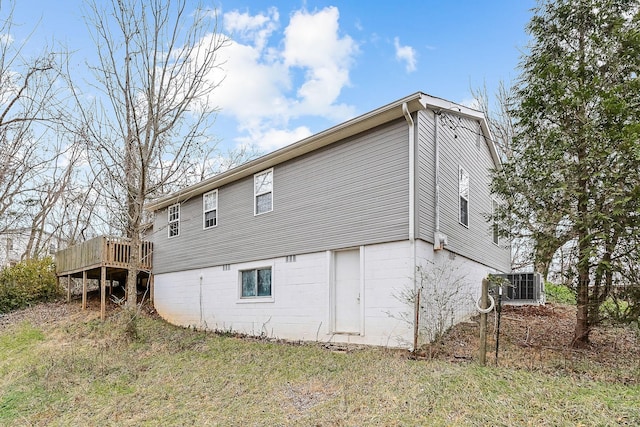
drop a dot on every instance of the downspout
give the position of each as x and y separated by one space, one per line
201 312
412 218
412 176
439 239
436 143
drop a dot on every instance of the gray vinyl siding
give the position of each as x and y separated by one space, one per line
350 193
461 144
425 176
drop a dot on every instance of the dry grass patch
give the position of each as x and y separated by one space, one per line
68 368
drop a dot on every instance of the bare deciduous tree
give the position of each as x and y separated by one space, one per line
36 158
499 119
153 116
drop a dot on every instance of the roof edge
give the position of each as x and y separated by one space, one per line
379 116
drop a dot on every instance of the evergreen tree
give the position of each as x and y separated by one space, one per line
573 179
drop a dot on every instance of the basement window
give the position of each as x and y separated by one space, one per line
256 283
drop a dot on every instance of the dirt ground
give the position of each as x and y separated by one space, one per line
539 338
60 311
536 338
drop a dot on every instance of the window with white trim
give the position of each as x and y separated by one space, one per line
495 227
255 283
463 193
210 209
263 192
174 220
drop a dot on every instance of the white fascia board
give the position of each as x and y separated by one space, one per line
442 104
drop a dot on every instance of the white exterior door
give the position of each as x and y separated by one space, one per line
347 291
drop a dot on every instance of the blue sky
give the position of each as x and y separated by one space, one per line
295 68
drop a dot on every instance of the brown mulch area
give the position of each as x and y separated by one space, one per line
539 338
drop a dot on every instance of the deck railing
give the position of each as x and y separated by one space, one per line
102 251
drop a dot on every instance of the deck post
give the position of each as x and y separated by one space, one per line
68 288
103 292
484 300
84 290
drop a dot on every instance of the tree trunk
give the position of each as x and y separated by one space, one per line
581 335
132 273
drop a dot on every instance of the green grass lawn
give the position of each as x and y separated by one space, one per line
81 372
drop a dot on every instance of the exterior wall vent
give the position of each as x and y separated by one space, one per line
523 288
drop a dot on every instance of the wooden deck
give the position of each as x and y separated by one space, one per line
102 258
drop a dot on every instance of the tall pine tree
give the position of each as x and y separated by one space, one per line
573 179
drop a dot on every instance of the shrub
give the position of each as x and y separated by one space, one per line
560 294
623 305
444 298
27 283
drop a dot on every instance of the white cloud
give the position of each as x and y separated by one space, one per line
6 39
406 54
254 29
270 139
313 44
253 87
270 77
8 85
471 103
